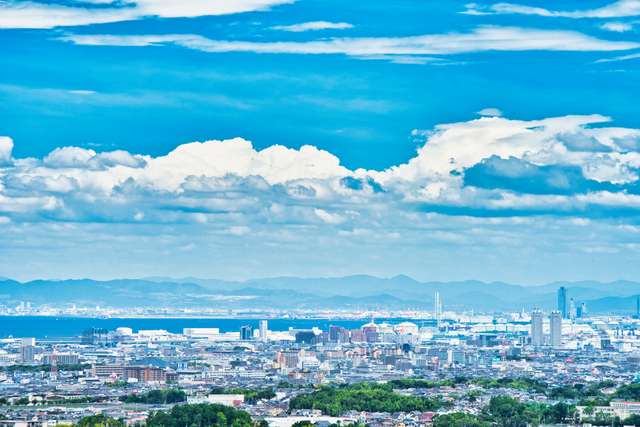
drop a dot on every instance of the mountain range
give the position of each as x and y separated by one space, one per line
351 292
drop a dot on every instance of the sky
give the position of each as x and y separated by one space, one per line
239 139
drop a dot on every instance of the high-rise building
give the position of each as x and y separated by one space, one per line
305 337
333 332
536 328
563 302
246 333
556 329
438 310
263 330
581 311
27 350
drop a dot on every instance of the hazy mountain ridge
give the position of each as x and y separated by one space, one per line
351 292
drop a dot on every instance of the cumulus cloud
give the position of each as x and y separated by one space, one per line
490 182
75 157
557 165
316 25
622 8
6 146
27 14
481 39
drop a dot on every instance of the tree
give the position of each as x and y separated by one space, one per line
589 411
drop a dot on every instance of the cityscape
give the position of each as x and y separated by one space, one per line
453 363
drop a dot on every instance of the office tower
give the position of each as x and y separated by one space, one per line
438 310
563 302
263 330
556 329
305 337
536 328
333 332
572 310
246 333
27 350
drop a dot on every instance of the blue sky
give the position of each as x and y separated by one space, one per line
443 140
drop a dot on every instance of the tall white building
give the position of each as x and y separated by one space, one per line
263 330
556 329
536 328
27 350
438 310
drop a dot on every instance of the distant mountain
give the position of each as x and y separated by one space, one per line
2 279
617 288
121 293
213 284
350 292
613 305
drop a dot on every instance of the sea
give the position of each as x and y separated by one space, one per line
43 327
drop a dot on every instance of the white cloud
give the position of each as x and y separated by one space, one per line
622 8
6 146
490 112
619 27
239 230
481 39
317 25
223 182
328 217
75 157
620 58
69 157
229 202
27 14
83 92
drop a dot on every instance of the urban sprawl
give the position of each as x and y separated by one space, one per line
565 367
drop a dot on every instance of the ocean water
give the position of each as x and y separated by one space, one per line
73 327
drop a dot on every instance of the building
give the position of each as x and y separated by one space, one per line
263 330
536 328
200 332
556 329
23 423
617 409
333 332
246 333
108 371
220 399
61 359
27 350
438 310
563 302
145 374
305 337
581 312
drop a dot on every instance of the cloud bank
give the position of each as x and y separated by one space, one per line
490 165
483 190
